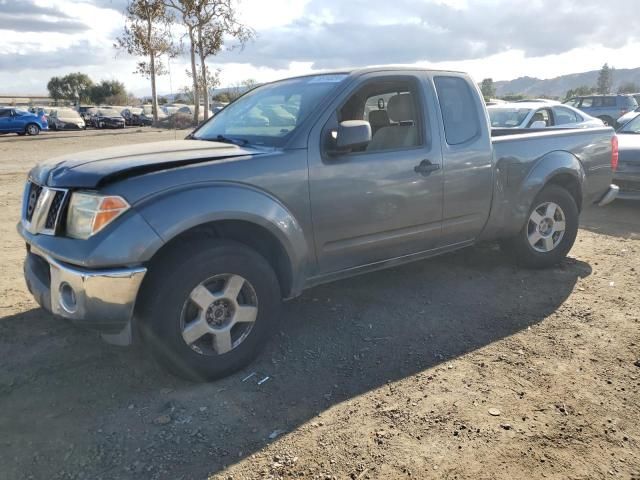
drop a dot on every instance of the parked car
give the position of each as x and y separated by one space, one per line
627 117
627 173
193 243
171 108
137 116
608 108
22 122
107 117
537 115
85 112
190 110
537 100
66 119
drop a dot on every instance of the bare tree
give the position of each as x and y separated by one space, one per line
185 8
147 34
209 23
218 22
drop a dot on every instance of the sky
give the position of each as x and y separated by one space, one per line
501 39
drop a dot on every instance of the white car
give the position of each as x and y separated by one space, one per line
627 117
65 118
540 115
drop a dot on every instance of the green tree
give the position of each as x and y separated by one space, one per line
487 88
512 97
221 97
109 91
75 87
605 79
580 91
147 33
626 87
55 89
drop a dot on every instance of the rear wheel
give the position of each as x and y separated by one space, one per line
32 129
209 314
549 232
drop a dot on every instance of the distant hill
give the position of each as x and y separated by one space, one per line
558 86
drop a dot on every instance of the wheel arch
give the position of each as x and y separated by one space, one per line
234 212
560 168
26 127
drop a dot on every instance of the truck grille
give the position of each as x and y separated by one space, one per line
43 208
34 191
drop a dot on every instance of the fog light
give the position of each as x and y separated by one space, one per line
68 299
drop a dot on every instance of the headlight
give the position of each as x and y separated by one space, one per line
89 213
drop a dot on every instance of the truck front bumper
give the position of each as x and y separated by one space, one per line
102 300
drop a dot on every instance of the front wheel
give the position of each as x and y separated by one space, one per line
550 230
32 129
208 313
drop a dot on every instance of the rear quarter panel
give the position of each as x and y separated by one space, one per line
525 163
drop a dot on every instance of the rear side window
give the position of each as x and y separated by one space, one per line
458 106
609 101
587 102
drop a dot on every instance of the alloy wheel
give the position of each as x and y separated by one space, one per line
546 227
219 314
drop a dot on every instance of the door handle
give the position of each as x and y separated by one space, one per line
425 167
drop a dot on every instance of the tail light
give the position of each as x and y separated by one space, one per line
614 153
624 111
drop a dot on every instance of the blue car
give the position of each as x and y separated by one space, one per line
21 122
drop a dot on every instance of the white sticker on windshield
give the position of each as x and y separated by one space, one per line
327 78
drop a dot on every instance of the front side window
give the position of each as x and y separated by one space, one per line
392 108
458 106
507 117
541 116
269 115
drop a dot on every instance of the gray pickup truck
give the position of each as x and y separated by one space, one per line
191 245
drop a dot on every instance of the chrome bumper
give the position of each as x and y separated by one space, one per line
99 299
610 196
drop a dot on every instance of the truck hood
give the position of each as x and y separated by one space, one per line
96 168
629 148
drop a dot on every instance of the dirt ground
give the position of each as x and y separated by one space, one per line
394 374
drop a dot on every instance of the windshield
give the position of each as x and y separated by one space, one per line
507 117
109 112
632 127
270 114
67 113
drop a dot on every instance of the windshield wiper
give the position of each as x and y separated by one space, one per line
235 141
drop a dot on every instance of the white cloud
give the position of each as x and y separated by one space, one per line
502 39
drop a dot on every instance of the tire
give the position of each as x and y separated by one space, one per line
168 310
553 244
32 129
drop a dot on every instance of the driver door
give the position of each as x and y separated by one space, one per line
382 201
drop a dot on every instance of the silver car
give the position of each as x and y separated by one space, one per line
540 115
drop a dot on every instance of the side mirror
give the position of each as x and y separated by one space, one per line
539 124
351 134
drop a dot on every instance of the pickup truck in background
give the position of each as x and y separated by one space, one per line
191 245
